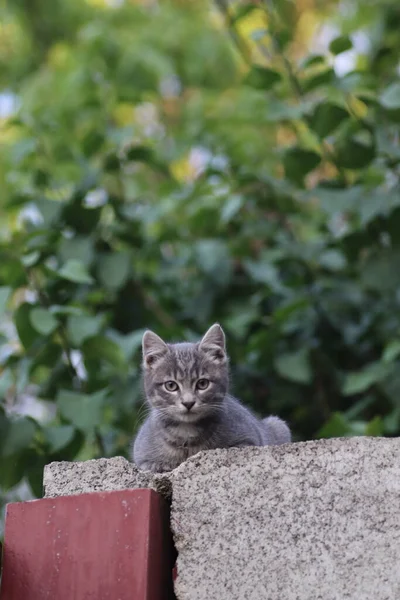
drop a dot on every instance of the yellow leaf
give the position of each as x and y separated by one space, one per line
59 55
256 19
358 108
124 113
183 170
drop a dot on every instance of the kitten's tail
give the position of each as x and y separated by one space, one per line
277 431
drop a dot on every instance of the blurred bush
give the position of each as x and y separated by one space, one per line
171 164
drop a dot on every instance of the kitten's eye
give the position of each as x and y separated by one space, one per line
171 386
202 384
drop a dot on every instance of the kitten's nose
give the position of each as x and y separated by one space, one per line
188 403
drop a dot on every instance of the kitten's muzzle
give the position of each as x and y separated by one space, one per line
188 404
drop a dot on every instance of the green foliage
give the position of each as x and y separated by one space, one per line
174 167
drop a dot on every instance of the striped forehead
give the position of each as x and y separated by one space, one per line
186 360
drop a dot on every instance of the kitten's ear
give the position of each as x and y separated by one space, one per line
213 343
153 348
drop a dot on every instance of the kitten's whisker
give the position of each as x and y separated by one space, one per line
142 413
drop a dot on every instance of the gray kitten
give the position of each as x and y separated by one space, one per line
186 386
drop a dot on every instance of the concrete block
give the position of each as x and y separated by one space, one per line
310 521
104 474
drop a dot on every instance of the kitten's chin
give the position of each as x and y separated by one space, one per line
189 416
196 416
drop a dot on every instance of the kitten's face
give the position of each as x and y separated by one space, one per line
186 382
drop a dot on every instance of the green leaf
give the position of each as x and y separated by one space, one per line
392 351
19 435
337 426
262 78
214 260
231 208
287 309
360 381
323 79
390 97
43 321
78 248
146 155
13 469
26 333
277 111
57 437
294 366
23 149
352 153
340 44
49 209
5 293
104 348
28 260
114 269
374 427
327 117
264 272
332 259
380 271
92 141
298 162
129 344
84 411
312 60
75 271
82 327
140 154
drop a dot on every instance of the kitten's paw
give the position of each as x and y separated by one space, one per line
278 431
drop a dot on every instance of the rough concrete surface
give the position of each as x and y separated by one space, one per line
309 521
104 474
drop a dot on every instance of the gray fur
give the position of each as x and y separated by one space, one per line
171 432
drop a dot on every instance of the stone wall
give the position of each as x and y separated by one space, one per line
308 521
